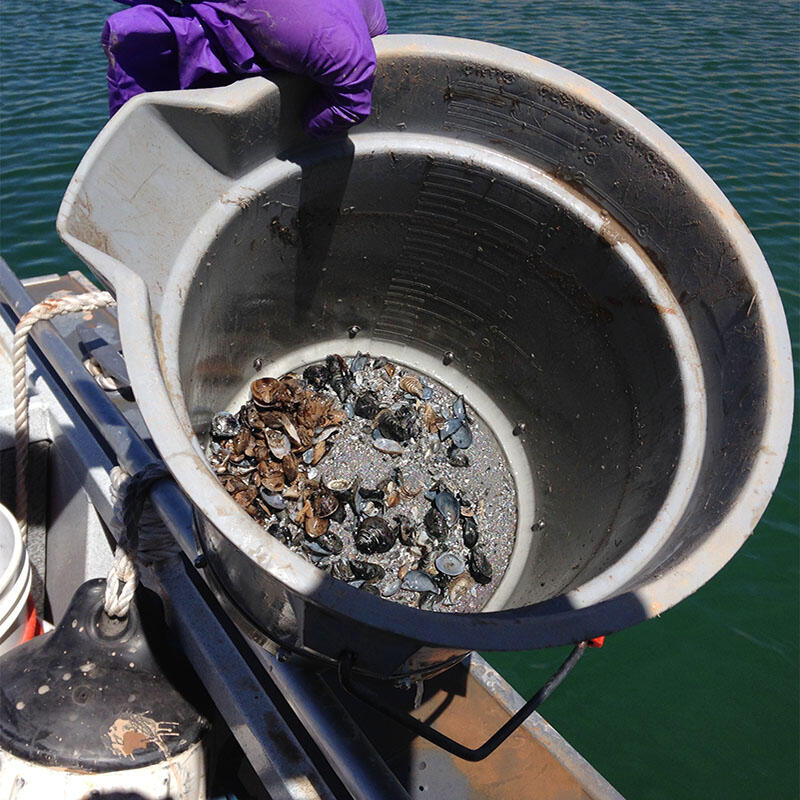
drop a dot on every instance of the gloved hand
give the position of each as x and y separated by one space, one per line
167 45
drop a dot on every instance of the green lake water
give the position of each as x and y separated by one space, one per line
701 702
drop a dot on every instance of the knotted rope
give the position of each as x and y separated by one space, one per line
133 515
140 533
47 309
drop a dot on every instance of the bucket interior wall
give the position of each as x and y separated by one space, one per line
587 275
540 310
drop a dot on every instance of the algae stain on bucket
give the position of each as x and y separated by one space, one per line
15 581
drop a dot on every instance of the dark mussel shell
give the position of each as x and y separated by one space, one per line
449 428
469 532
399 425
405 528
341 386
316 376
330 542
336 365
224 425
427 560
371 494
347 497
374 535
339 515
462 438
457 457
426 601
448 505
280 532
316 550
435 524
479 566
341 380
342 571
324 503
366 405
358 361
418 581
441 580
274 501
367 570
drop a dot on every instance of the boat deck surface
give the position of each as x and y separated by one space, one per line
70 461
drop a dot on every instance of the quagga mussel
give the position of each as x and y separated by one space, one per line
376 474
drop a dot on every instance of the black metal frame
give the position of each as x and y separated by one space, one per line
345 671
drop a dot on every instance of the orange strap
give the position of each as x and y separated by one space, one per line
33 625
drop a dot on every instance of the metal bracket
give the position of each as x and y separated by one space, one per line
100 341
345 669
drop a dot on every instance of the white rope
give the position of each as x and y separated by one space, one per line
121 583
133 514
47 309
141 535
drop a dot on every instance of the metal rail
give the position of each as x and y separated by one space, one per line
243 699
304 738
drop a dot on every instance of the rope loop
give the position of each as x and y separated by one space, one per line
132 517
49 307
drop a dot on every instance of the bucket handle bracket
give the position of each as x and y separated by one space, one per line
345 670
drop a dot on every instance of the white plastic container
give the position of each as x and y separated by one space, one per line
15 581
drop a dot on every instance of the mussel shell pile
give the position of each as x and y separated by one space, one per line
384 478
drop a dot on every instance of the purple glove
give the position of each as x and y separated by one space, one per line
167 45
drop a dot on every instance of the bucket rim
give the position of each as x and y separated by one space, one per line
561 619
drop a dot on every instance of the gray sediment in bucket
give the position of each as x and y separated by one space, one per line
487 483
596 290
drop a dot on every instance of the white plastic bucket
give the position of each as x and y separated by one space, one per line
15 581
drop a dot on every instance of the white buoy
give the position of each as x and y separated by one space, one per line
15 582
90 709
